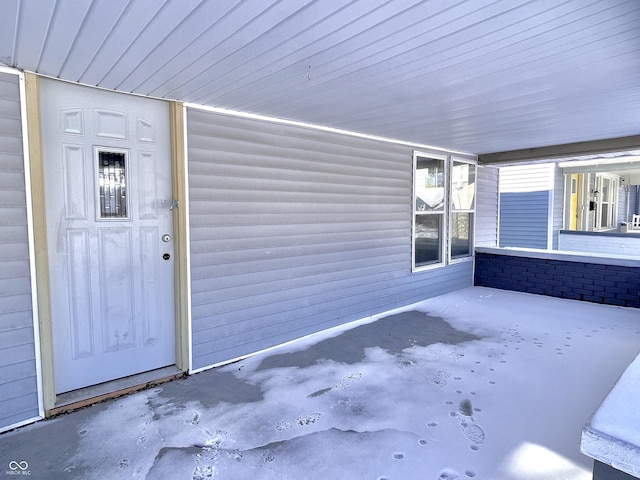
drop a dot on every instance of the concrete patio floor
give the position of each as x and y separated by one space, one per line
480 383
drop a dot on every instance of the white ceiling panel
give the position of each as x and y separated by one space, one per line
87 42
472 76
134 20
8 30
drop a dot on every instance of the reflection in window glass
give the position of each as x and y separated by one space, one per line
461 234
429 184
428 234
444 209
605 190
463 185
112 184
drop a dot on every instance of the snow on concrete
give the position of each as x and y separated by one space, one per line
480 383
612 435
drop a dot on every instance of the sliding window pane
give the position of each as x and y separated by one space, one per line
461 234
463 185
429 184
428 239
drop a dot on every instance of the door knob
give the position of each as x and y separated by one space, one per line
166 256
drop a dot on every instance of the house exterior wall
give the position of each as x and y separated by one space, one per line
526 206
557 222
628 202
487 207
578 277
294 230
634 199
18 377
622 205
524 219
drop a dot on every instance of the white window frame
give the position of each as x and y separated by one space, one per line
444 242
442 214
471 211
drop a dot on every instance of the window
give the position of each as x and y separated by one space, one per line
463 189
430 200
444 207
112 183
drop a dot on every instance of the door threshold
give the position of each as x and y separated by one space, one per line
83 397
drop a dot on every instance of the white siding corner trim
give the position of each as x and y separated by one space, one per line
20 368
188 243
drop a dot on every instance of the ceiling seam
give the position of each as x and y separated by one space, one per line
16 35
75 38
168 35
52 17
207 30
132 42
104 40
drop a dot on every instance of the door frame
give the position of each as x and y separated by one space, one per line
180 235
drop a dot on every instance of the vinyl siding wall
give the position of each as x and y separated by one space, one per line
634 199
558 205
487 207
526 209
624 194
294 230
18 384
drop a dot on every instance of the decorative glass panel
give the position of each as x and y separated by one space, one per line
112 184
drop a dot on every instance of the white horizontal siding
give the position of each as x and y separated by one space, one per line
526 178
18 384
294 230
487 207
624 195
628 245
557 222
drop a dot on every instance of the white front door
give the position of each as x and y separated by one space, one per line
107 167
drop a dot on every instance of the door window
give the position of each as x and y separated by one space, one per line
112 183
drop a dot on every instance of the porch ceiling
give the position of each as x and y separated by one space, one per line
473 76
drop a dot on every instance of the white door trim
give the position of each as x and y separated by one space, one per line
44 338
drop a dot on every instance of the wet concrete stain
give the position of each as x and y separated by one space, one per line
394 333
212 388
49 445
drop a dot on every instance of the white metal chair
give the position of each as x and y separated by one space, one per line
635 222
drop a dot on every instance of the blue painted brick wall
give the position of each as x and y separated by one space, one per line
591 282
